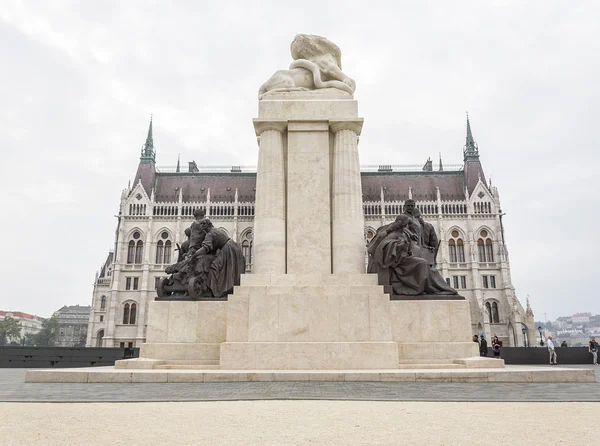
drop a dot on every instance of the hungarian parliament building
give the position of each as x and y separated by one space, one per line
157 207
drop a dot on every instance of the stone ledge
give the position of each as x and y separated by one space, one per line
508 375
300 280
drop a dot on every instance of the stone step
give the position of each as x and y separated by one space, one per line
431 366
187 367
191 362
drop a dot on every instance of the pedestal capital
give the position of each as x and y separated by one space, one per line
260 125
347 124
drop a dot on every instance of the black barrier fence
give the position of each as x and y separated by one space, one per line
22 357
539 355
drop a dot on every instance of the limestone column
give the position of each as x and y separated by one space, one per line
269 219
347 218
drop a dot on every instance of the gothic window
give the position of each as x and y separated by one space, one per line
132 314
456 248
139 251
481 250
167 252
460 251
136 281
131 252
103 303
495 315
160 251
488 307
126 314
129 314
452 248
485 247
128 283
489 250
247 244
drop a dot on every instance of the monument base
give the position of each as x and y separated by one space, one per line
309 355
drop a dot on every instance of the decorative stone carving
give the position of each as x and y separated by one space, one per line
317 65
209 264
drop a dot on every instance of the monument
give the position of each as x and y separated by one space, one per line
309 303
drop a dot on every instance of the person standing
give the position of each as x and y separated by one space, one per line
496 344
593 348
483 349
551 350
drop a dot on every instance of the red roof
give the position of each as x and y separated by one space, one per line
19 314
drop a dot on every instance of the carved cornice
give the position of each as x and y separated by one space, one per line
261 125
347 124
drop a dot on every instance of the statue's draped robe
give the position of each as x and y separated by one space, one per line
409 275
228 263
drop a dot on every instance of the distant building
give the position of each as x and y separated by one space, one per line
30 323
581 318
73 323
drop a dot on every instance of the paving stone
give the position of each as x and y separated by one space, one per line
14 388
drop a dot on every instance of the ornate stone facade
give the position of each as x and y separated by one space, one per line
462 206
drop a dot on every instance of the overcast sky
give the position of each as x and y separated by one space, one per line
79 81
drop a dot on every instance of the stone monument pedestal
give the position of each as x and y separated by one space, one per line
309 322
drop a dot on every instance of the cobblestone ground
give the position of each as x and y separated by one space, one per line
13 388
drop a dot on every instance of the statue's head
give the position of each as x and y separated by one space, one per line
409 206
188 232
199 213
205 224
401 222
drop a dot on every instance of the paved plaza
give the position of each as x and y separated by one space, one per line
15 389
300 423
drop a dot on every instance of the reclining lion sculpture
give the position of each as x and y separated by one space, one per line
317 64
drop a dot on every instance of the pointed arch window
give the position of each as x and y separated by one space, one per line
456 248
489 250
131 252
126 314
488 307
160 251
485 247
452 248
103 303
495 314
167 258
139 251
247 245
460 251
129 314
132 314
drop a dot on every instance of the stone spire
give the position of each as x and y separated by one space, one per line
473 169
528 311
146 172
148 151
441 168
471 149
177 170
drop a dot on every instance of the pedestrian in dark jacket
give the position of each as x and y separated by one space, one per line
483 350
